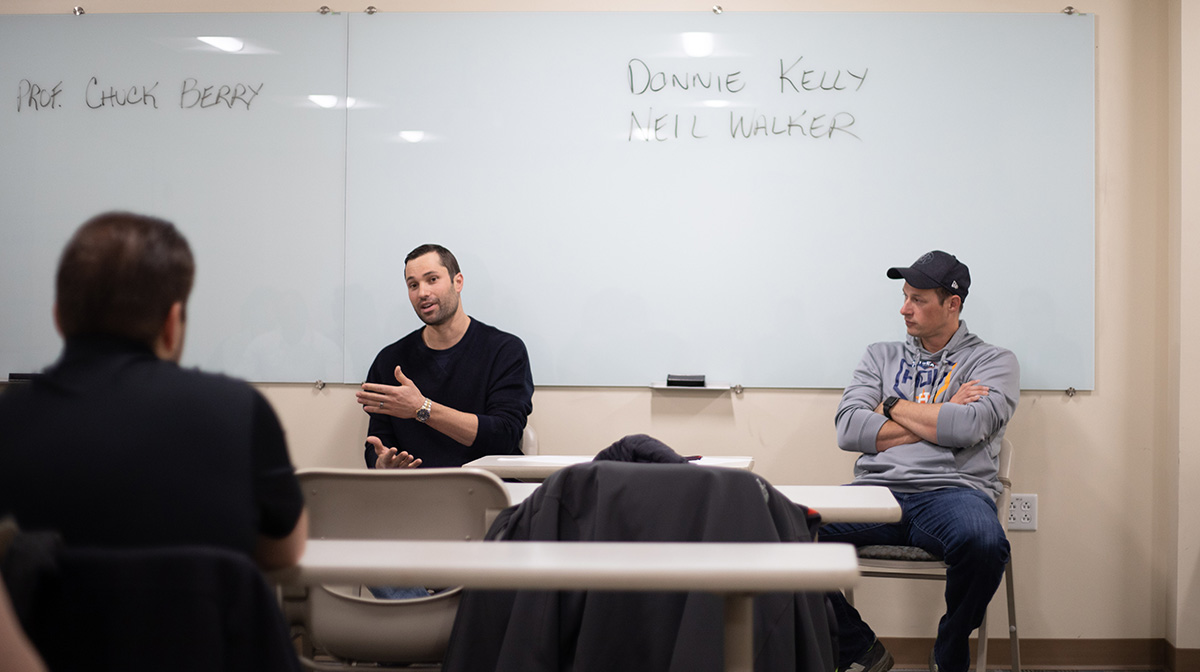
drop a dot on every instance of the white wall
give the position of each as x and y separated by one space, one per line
1116 554
1179 536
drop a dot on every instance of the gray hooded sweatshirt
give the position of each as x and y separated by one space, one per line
968 435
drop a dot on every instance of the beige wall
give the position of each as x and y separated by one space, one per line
1180 457
1113 468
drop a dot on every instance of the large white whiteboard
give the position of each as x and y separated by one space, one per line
619 254
255 181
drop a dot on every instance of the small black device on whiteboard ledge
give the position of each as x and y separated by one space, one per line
674 380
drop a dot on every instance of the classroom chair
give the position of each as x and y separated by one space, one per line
185 608
910 562
345 622
529 441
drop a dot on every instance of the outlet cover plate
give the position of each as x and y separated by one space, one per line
1022 512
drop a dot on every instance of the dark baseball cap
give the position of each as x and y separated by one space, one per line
936 269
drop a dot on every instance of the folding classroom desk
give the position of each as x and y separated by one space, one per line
539 467
835 503
737 571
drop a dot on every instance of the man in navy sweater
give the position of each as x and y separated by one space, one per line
450 392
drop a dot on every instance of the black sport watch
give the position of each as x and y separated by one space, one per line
887 406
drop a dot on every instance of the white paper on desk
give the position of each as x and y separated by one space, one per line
566 460
721 461
547 459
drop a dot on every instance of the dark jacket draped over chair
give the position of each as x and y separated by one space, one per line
602 631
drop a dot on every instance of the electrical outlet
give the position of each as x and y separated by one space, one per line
1022 512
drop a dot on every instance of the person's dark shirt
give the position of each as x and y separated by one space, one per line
113 446
486 373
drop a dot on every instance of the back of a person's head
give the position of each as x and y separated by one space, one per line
119 276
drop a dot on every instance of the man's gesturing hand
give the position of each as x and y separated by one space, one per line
400 401
391 458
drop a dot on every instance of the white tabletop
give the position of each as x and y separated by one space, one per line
541 466
846 503
562 565
736 571
835 503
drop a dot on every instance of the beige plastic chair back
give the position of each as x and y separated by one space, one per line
529 441
442 504
910 562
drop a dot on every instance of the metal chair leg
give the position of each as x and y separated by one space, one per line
981 646
1014 640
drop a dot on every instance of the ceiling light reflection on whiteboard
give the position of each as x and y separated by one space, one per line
698 44
412 136
639 133
229 44
327 102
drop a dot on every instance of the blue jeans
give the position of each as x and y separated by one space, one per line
958 525
398 593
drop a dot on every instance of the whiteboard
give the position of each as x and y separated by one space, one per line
227 145
627 208
631 209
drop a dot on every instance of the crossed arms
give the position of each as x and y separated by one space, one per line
977 409
912 422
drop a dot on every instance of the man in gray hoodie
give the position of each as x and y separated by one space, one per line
928 416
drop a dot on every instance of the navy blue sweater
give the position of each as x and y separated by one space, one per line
486 373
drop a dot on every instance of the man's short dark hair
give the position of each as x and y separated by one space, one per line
943 294
119 276
445 255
